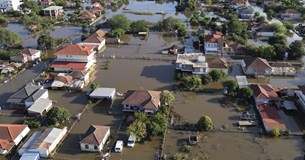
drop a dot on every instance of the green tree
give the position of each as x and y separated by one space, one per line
245 93
235 26
206 79
32 123
57 115
34 6
296 50
95 85
280 51
139 129
288 25
45 41
181 30
266 51
275 132
119 21
139 26
60 2
277 27
208 2
205 123
167 98
277 39
157 125
191 82
118 32
256 14
217 75
261 19
8 38
3 21
231 86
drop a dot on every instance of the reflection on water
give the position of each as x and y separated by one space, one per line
18 29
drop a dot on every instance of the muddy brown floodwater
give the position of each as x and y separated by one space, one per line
229 143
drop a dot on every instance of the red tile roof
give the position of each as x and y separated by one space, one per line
95 134
258 64
264 91
99 8
76 49
8 133
271 117
30 51
214 37
147 99
69 65
96 37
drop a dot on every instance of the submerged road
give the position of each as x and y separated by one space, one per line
9 88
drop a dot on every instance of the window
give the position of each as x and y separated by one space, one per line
86 146
95 147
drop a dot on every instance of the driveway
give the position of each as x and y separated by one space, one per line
9 88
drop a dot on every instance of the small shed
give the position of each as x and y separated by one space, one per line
40 106
103 93
242 81
30 156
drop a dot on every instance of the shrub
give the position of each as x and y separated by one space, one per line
32 123
275 132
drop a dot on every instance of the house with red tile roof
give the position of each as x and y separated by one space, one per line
270 117
97 10
256 66
87 16
74 57
97 38
264 93
27 55
142 100
213 43
95 138
11 135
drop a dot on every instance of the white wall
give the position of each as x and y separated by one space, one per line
21 135
100 45
72 58
10 4
34 56
99 147
3 151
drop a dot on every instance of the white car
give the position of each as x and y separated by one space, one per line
131 140
119 146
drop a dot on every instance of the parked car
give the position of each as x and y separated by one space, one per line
131 140
119 146
247 116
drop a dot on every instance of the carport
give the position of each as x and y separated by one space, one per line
103 94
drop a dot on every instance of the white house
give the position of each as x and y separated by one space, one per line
213 43
40 107
264 31
43 143
291 14
192 62
26 93
142 100
74 57
53 11
6 5
27 55
256 66
97 39
95 138
242 81
39 94
11 135
217 63
103 93
245 12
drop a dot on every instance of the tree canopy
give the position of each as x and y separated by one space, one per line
277 28
217 75
139 26
139 129
8 38
192 82
45 41
34 6
119 21
245 93
231 86
205 123
57 115
235 26
167 98
3 21
157 124
296 50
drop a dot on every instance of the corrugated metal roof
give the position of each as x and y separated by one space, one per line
40 105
